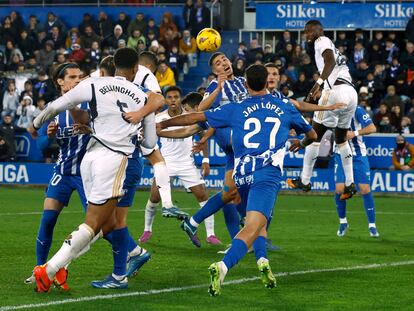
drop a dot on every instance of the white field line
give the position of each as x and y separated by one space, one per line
289 211
184 288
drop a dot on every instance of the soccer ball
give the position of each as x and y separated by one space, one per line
208 40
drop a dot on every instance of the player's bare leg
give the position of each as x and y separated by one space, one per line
309 160
200 192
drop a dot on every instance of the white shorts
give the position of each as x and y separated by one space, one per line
188 173
146 152
341 118
103 173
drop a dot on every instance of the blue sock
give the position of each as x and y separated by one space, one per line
259 246
236 252
340 206
231 218
109 237
131 243
369 206
45 235
241 209
120 242
213 204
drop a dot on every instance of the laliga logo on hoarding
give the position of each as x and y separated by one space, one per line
22 146
379 151
393 11
10 173
299 11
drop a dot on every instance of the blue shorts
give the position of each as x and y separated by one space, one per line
61 187
132 179
258 191
362 172
229 160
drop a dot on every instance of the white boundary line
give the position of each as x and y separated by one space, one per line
184 288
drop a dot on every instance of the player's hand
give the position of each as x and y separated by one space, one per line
198 146
295 145
336 106
81 129
221 79
315 92
350 135
52 129
205 169
32 131
133 117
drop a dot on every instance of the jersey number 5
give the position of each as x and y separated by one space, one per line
121 107
257 126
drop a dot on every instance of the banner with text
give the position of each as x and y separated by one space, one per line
334 15
322 179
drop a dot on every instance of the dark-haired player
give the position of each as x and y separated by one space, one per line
113 102
338 88
260 125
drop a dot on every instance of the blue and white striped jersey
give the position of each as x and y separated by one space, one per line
72 146
233 91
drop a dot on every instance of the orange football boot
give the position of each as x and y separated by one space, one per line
43 283
60 279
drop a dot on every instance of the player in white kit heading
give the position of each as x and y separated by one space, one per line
112 101
338 88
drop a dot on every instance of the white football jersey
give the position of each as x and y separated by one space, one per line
341 71
175 149
146 79
108 98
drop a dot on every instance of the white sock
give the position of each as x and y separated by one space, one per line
118 277
208 222
88 247
343 220
137 251
261 259
73 244
193 222
163 182
150 211
223 270
372 225
346 158
311 154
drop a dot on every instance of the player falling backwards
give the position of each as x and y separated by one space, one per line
103 167
260 125
361 125
338 87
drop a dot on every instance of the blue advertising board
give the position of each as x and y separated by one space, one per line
385 15
322 179
72 16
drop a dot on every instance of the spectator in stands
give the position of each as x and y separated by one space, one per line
391 99
385 125
241 52
297 56
25 113
377 55
111 41
87 21
31 64
379 40
138 23
141 47
73 38
40 106
44 88
360 53
169 39
382 112
407 59
307 67
7 32
406 127
134 38
395 70
104 25
360 37
4 150
286 39
361 71
409 30
14 63
7 132
188 6
46 55
396 118
61 58
291 74
152 27
26 44
301 87
167 23
151 39
199 17
77 55
94 55
16 21
27 91
403 154
10 100
254 52
11 50
53 21
239 66
123 21
391 50
2 62
88 38
188 49
343 41
34 28
58 38
268 55
165 75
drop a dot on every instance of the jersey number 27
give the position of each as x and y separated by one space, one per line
257 126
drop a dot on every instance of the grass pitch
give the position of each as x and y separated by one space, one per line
176 277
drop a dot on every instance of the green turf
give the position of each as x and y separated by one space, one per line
303 226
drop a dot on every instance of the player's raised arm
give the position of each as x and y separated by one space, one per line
181 132
308 107
155 101
210 98
150 135
79 94
185 119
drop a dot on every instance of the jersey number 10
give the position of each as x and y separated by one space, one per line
257 126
